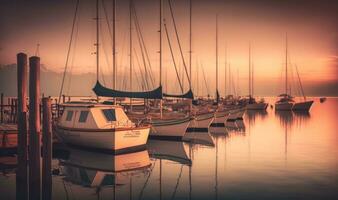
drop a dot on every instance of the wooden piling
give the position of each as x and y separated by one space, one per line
34 129
2 108
46 150
22 173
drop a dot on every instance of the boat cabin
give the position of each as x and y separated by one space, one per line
87 115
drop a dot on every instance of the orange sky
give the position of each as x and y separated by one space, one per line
311 28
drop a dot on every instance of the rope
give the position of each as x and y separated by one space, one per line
172 55
69 48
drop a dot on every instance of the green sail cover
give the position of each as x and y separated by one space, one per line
102 91
187 95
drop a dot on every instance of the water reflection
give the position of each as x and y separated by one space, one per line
280 155
94 171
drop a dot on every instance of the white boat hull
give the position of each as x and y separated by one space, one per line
257 106
119 141
218 124
201 123
283 106
170 129
302 106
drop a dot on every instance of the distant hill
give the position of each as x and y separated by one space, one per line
81 84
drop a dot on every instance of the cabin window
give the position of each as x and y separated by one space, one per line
109 114
69 115
83 116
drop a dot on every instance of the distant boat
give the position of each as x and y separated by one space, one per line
304 105
251 103
100 126
285 101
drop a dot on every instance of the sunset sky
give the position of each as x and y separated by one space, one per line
311 26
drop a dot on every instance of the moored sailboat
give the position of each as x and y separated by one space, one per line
285 101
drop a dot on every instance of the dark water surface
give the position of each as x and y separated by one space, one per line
275 156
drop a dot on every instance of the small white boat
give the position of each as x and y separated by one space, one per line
257 106
302 106
169 129
201 122
100 126
284 103
218 124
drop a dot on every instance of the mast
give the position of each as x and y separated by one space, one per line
250 72
160 31
286 63
161 101
130 50
217 57
114 44
225 72
130 46
97 40
190 42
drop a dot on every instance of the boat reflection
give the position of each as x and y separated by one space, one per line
175 151
94 170
252 115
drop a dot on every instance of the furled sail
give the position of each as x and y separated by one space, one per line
102 91
187 95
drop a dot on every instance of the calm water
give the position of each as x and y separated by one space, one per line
274 156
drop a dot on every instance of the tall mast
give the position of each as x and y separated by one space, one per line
130 46
216 55
250 70
161 101
160 31
190 38
225 72
286 63
114 44
97 40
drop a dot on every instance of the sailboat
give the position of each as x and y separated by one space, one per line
285 101
252 104
304 105
100 125
217 126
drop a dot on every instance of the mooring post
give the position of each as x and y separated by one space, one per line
2 108
34 129
22 173
46 150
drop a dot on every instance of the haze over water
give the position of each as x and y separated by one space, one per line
278 156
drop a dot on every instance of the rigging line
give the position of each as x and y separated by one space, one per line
177 183
172 55
68 52
137 80
178 41
105 55
73 57
121 58
138 28
147 181
139 34
144 83
205 80
300 83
